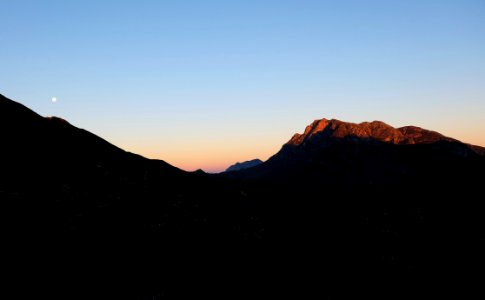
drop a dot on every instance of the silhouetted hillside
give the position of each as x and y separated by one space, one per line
342 211
72 202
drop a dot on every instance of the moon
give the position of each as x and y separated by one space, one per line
54 99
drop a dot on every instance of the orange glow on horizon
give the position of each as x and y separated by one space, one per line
218 154
210 157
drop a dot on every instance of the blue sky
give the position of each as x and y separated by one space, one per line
202 84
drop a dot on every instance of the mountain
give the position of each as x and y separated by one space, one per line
244 165
73 202
376 130
408 197
369 153
366 206
65 179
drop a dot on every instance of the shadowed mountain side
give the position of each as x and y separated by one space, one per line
71 202
374 153
478 149
407 197
378 210
66 179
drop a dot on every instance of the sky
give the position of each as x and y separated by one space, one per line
205 84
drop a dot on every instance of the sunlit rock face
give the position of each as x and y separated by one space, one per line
376 130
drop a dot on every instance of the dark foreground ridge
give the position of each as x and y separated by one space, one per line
342 211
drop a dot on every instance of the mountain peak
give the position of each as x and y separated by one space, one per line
375 130
315 127
244 165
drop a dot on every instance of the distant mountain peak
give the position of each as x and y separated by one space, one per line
375 130
244 165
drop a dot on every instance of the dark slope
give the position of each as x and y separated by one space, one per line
72 202
344 212
244 165
64 179
83 175
36 148
378 211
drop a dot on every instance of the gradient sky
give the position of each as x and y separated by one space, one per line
203 84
